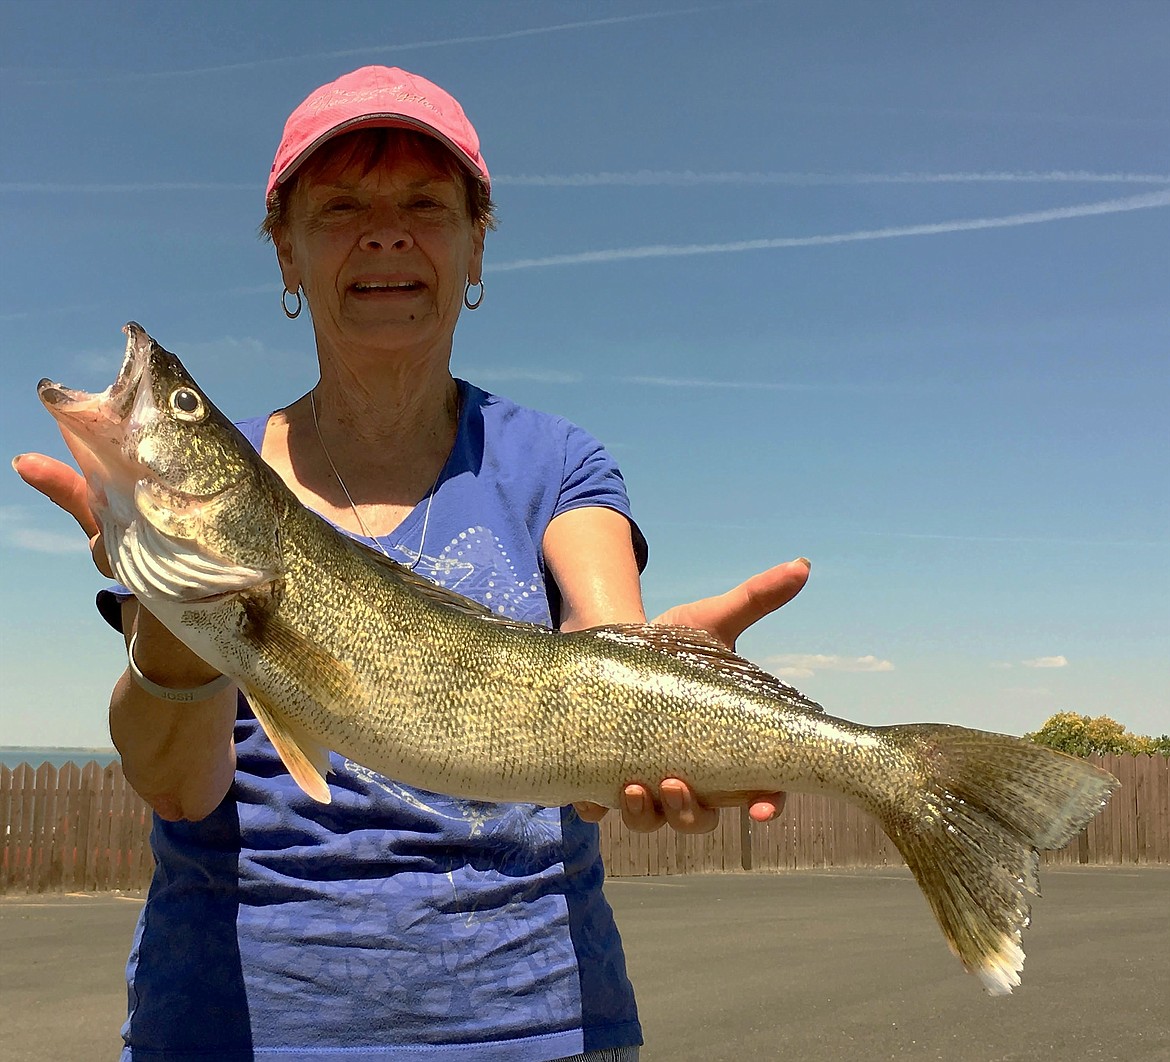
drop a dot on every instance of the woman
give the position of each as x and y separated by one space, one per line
391 922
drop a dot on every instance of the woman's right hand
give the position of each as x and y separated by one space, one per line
64 486
179 757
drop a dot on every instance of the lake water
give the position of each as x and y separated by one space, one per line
14 755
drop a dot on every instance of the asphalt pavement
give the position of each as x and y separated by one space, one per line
809 966
820 966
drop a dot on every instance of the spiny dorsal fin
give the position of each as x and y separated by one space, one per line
702 650
424 587
695 647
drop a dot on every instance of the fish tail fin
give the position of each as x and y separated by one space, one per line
991 802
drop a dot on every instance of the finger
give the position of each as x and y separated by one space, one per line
62 484
683 812
760 596
727 616
640 812
765 809
590 812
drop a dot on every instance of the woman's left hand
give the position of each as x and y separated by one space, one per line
726 616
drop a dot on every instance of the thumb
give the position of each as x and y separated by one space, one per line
763 594
728 615
61 484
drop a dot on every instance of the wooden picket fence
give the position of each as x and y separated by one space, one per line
84 829
72 829
824 832
814 831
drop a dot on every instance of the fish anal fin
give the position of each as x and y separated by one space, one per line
739 798
306 759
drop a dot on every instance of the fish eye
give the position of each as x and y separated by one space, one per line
187 404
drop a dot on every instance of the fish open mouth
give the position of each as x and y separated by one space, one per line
115 402
94 425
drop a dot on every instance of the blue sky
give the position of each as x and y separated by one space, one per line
880 284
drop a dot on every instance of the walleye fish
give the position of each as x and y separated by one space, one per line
338 648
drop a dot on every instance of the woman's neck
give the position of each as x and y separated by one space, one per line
376 444
412 415
403 397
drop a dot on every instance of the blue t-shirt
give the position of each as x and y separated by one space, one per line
395 923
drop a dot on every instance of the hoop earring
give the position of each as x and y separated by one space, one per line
467 302
290 314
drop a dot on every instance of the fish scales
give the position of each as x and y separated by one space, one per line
338 648
580 715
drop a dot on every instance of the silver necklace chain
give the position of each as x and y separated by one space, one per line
349 498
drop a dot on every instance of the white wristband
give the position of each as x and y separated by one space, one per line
165 693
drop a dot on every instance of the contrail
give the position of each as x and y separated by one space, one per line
1108 206
377 49
722 385
705 384
687 178
1023 539
136 188
648 179
623 254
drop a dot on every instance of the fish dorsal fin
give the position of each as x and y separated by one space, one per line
702 650
423 587
440 595
305 759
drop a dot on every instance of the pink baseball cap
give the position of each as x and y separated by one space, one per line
375 96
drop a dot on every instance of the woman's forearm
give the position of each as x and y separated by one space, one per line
179 757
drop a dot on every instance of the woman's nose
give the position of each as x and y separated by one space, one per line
387 228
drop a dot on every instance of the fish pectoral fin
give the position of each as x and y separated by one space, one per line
307 760
306 667
703 650
309 667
